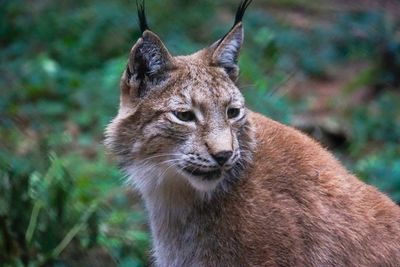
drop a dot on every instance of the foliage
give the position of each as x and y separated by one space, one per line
375 143
383 170
60 66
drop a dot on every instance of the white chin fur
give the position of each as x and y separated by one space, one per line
147 178
203 185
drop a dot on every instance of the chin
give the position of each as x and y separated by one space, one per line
203 182
204 185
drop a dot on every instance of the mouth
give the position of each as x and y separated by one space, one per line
205 175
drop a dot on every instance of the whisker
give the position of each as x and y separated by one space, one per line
172 165
165 162
281 85
156 156
163 155
246 86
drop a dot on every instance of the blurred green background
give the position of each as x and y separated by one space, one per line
329 68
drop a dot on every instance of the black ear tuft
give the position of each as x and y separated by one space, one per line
142 16
241 10
239 16
225 52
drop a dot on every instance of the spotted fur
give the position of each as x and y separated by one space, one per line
280 199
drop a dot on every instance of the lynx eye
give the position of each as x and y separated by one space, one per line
186 116
233 113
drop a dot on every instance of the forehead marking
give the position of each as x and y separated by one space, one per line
203 87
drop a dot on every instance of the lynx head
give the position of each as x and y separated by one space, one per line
182 118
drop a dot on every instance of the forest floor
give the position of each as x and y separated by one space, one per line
330 96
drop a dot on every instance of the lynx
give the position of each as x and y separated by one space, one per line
225 186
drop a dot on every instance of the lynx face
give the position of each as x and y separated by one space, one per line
182 118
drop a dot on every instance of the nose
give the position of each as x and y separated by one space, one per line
222 157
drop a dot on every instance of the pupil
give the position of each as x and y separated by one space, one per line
185 116
233 112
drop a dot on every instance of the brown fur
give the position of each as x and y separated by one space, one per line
317 214
279 200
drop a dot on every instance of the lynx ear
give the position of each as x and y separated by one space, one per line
225 52
149 60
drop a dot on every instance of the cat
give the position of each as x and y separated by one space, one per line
225 186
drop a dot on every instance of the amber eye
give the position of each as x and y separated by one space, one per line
185 116
233 113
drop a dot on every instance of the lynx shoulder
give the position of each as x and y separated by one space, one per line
225 186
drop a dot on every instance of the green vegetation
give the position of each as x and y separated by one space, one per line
62 202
